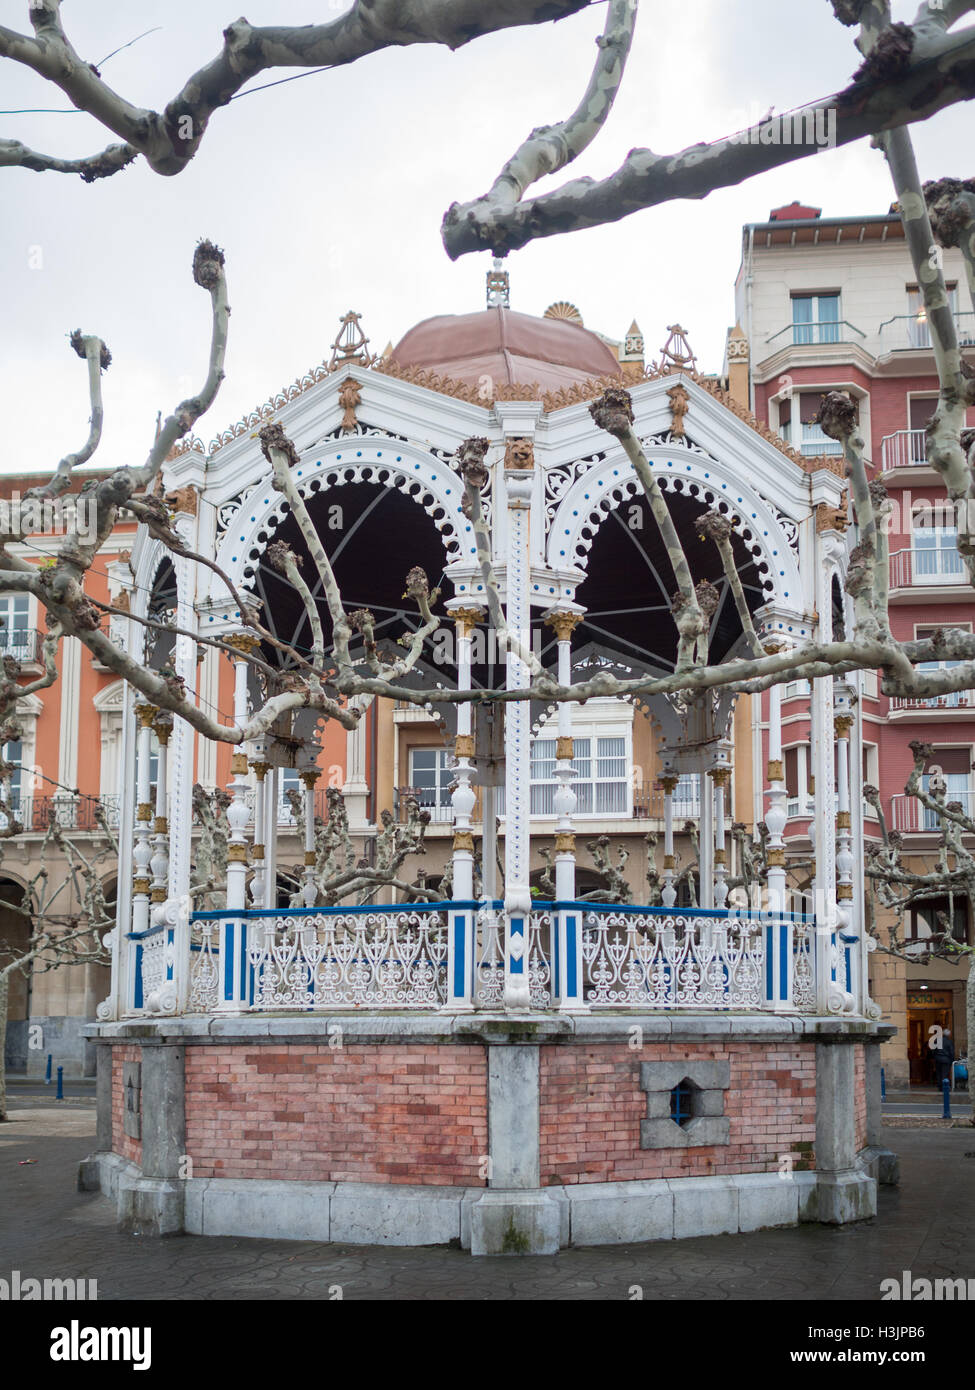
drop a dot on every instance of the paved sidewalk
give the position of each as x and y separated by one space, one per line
48 1229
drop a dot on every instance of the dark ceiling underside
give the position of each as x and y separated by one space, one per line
379 535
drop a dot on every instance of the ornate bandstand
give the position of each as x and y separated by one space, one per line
511 1068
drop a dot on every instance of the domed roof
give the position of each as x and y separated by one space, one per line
508 347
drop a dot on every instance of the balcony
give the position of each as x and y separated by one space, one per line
646 803
932 568
36 813
23 644
909 816
814 334
910 332
904 449
957 704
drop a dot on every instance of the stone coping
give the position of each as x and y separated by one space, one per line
459 1028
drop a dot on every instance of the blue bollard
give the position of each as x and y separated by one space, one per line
47 1074
60 1094
883 1084
946 1093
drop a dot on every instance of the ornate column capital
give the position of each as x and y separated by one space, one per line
146 715
245 643
466 619
563 624
842 724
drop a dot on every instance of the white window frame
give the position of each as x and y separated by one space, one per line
599 719
817 323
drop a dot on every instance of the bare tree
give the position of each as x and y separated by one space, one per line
908 72
899 884
66 914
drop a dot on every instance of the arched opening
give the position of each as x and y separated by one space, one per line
15 934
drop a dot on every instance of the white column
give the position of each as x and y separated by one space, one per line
356 788
271 784
261 770
159 863
310 890
233 932
706 844
720 777
517 745
668 894
845 863
567 923
464 796
776 815
142 850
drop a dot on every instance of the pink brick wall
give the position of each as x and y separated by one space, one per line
368 1113
860 1094
123 1143
592 1105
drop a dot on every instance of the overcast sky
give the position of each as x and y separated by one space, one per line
327 194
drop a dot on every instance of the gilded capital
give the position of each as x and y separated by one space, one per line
466 619
565 843
464 746
463 841
563 624
146 715
243 642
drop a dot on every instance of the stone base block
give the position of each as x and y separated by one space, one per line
516 1222
389 1214
843 1197
150 1206
269 1210
616 1213
882 1165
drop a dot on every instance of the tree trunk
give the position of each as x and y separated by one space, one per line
4 999
970 1022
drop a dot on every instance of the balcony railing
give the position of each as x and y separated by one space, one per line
951 699
36 813
23 644
921 567
286 815
824 331
906 331
904 449
411 956
908 815
647 803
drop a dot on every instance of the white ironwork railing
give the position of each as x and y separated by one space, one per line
903 449
435 956
908 815
951 699
937 565
351 960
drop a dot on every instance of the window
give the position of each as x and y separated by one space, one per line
288 781
801 412
936 556
601 783
687 797
927 918
431 776
13 752
918 333
15 637
815 318
953 767
951 699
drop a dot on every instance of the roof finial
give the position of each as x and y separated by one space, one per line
497 286
349 347
676 351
